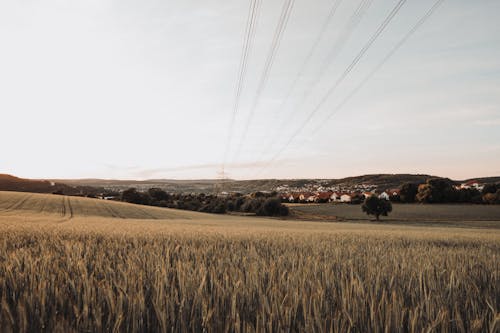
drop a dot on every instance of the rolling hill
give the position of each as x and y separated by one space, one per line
12 183
67 207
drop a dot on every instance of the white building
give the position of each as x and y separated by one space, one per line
335 197
384 195
345 198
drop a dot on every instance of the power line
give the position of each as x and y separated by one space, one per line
403 40
278 34
345 34
249 34
311 52
346 72
337 47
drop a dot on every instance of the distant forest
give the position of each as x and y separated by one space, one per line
261 204
443 190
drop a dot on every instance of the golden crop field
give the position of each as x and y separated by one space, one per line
86 265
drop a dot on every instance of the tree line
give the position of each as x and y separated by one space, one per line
442 190
258 203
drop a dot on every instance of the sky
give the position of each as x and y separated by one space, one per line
142 89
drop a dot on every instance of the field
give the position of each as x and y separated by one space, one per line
76 264
464 215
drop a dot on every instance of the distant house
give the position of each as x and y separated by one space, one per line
291 197
472 184
306 197
345 197
384 195
286 197
312 198
324 196
394 192
367 194
335 196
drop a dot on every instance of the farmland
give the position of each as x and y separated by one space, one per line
77 264
457 215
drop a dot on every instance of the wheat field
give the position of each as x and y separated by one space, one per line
85 265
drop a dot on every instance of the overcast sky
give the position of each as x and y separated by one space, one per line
146 88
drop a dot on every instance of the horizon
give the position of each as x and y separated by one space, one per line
256 179
181 90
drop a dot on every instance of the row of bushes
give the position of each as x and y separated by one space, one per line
262 205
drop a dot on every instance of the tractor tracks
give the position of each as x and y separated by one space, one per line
66 209
71 214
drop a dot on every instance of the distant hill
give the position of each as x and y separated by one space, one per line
197 186
382 181
95 186
484 180
12 183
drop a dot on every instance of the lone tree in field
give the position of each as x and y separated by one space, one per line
376 206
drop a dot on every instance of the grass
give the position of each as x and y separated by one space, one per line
186 271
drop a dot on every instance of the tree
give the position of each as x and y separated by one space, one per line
492 198
252 205
157 194
437 190
408 192
272 207
469 195
219 207
376 206
230 205
238 203
133 196
490 188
